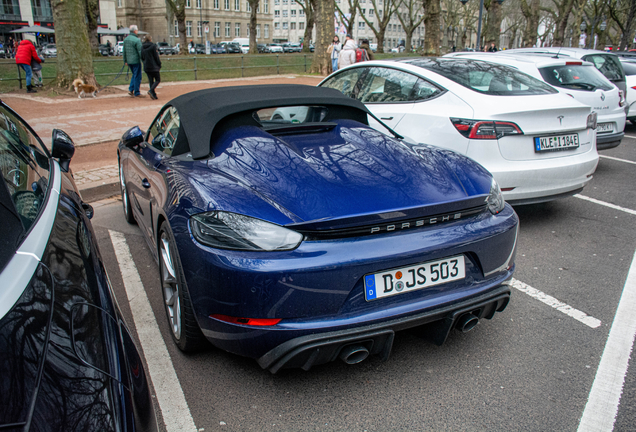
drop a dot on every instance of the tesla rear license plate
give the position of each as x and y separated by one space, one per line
605 127
405 279
558 142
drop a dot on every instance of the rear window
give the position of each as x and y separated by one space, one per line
486 78
609 66
577 77
629 68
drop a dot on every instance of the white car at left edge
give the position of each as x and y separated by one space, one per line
539 144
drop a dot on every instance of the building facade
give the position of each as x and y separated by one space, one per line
224 20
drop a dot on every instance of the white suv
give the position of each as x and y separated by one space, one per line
576 78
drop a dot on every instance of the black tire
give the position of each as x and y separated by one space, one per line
184 328
125 199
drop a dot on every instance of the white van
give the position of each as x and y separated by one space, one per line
244 43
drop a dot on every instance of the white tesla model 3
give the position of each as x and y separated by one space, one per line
539 144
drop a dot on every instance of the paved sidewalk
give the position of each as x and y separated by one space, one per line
98 183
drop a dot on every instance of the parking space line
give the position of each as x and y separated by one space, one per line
605 396
174 408
558 305
630 136
617 159
606 204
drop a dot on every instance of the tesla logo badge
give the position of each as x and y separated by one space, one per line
602 96
560 120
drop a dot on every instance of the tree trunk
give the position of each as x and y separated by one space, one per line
628 33
492 28
178 8
431 28
74 59
323 19
253 7
562 22
310 13
531 12
92 19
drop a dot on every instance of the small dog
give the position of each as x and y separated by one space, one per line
84 89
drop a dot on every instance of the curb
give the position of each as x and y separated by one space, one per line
92 194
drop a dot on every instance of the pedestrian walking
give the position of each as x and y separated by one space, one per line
132 58
365 46
24 55
334 51
492 47
152 65
348 53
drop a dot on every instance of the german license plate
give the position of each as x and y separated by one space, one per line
405 279
604 127
557 142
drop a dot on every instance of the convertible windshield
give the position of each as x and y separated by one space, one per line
486 78
577 77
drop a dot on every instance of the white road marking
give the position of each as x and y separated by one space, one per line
174 408
606 204
602 404
630 136
617 159
558 305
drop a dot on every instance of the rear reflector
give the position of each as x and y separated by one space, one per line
247 321
574 63
506 189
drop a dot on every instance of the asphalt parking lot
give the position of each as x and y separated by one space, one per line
554 360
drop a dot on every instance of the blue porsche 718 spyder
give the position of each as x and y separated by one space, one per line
301 238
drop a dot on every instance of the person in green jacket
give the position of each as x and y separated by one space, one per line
132 58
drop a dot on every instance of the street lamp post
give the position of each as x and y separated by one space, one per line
481 12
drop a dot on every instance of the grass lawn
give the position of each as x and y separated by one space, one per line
179 68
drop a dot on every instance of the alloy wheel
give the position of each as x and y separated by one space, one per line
170 286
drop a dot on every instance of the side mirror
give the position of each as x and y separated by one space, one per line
63 148
133 137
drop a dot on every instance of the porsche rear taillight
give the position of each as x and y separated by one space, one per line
485 129
247 321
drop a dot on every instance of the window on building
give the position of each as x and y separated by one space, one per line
266 35
248 8
301 12
266 6
276 2
285 2
216 4
285 13
285 25
228 26
189 28
118 4
399 27
199 4
370 12
276 14
293 12
258 31
364 11
276 26
247 31
361 25
292 26
199 28
237 5
188 3
237 30
301 26
226 4
217 29
176 28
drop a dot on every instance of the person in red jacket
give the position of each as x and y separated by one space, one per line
26 53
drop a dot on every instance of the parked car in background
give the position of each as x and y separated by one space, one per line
311 48
67 358
232 48
539 144
292 47
106 50
3 53
166 49
401 234
577 78
629 66
262 48
119 48
197 49
49 50
217 49
274 48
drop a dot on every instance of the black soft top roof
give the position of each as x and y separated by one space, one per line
202 111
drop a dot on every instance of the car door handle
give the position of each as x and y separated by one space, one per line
386 118
145 183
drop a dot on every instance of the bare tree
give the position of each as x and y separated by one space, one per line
178 8
492 25
309 7
323 20
623 13
411 19
92 19
432 34
560 15
74 58
531 11
350 22
384 14
253 9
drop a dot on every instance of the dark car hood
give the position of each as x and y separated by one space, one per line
348 172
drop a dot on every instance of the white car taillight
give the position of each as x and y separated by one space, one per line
485 129
621 99
591 120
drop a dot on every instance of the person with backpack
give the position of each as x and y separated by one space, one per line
348 53
152 65
364 51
